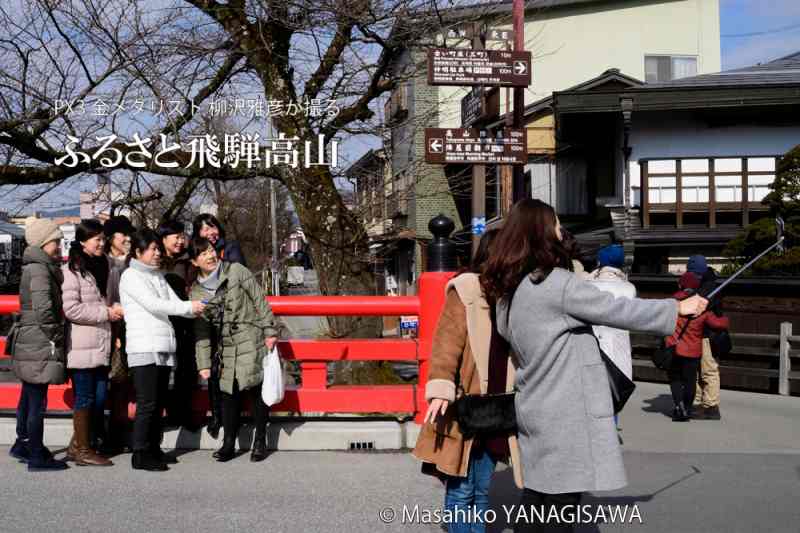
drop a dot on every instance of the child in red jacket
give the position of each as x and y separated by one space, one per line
688 342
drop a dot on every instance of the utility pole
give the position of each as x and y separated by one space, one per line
478 171
519 95
276 286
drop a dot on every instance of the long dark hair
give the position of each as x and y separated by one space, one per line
481 255
141 241
87 229
527 243
209 220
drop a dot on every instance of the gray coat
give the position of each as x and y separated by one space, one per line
37 340
567 438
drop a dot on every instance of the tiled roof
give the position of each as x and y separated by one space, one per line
783 71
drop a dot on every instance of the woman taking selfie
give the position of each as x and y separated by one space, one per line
238 328
567 437
148 302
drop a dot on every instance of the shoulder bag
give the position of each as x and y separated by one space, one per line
662 357
487 414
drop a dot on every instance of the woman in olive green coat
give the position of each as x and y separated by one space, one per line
237 328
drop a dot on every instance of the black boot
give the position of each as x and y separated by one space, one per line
679 413
45 463
145 461
228 450
230 424
712 413
20 451
259 452
159 455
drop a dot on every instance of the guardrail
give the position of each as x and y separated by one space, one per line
313 395
750 345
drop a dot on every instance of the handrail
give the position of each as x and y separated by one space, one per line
314 394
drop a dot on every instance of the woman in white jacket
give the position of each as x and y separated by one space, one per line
609 277
148 302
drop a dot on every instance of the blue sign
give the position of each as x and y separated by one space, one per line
478 225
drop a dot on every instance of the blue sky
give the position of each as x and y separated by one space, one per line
754 31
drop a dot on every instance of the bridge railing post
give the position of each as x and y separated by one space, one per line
785 362
442 263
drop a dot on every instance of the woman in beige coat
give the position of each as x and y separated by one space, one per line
90 312
460 354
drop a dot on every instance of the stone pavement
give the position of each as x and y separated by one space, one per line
741 474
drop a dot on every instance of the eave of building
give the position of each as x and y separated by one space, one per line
671 99
545 105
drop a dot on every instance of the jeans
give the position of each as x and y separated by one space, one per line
91 390
152 384
468 497
683 380
542 503
30 416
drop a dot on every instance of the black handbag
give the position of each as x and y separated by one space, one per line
621 386
662 357
488 414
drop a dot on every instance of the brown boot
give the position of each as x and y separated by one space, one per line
85 455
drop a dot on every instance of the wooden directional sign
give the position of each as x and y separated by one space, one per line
506 147
479 105
452 66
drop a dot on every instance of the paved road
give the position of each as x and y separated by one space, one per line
738 475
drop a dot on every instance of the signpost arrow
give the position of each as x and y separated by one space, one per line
436 145
520 67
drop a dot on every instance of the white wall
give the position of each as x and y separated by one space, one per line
678 135
573 45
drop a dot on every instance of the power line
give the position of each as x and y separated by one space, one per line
765 32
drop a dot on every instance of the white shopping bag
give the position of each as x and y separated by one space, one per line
272 388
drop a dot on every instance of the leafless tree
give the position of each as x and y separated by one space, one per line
58 55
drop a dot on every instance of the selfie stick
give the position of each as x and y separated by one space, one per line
779 245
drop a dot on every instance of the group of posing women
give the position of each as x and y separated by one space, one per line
130 307
522 319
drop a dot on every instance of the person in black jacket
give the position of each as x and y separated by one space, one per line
177 266
208 227
708 384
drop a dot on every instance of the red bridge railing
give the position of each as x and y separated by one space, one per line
314 395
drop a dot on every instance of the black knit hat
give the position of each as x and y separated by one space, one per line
118 224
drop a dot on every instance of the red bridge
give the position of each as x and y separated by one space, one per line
314 395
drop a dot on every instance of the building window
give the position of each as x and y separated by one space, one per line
667 68
731 177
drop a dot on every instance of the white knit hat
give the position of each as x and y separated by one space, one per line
40 231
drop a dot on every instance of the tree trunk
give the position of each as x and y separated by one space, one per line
339 247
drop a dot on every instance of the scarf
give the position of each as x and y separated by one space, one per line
211 282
